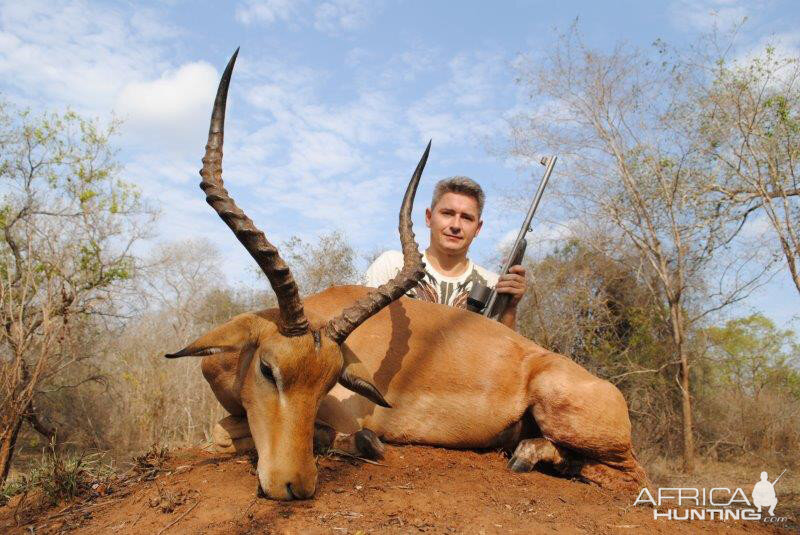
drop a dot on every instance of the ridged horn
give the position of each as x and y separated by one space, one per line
293 320
409 276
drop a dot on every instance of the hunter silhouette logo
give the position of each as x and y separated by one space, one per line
764 493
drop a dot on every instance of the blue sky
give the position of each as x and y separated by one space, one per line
332 102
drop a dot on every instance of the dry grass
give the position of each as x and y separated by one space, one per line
61 476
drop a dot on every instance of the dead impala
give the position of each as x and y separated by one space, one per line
453 378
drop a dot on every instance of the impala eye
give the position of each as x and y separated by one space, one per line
266 371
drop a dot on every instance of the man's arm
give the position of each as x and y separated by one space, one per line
513 283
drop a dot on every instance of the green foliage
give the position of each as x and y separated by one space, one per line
64 207
68 224
751 354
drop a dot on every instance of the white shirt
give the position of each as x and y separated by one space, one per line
434 287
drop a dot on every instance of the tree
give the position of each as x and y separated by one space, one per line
587 304
751 354
177 279
624 125
752 402
329 262
751 129
67 227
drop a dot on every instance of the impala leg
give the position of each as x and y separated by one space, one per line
232 435
587 416
533 451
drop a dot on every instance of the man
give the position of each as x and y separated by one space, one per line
454 218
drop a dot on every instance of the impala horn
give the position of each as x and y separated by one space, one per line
409 276
293 320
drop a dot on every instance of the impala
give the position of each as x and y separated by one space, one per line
408 371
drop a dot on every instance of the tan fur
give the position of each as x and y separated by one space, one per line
453 378
281 424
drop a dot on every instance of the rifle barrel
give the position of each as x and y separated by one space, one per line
550 162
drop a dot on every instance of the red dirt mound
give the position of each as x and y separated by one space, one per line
416 489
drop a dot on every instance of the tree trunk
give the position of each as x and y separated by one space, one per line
790 261
677 320
40 427
8 441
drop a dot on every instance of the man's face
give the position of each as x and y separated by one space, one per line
454 223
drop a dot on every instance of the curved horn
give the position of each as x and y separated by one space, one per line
293 320
413 270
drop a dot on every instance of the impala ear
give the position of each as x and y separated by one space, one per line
353 378
194 351
230 336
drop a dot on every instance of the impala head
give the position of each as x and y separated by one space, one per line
288 362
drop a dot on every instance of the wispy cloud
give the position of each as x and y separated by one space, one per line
100 60
706 15
267 11
342 15
68 53
462 110
331 17
784 45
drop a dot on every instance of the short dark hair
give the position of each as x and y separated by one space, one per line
459 184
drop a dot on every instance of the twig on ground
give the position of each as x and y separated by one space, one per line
144 508
165 528
19 505
351 456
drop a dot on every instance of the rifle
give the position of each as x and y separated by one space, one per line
777 478
487 301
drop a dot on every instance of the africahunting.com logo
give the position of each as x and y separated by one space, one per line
718 503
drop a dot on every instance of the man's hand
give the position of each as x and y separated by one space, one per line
513 283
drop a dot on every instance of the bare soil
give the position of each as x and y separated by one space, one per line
415 489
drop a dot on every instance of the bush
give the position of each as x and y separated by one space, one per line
60 476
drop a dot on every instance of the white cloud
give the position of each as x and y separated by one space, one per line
172 109
295 160
306 137
542 239
506 241
785 46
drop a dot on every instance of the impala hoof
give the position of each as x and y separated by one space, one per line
533 451
324 435
517 464
369 445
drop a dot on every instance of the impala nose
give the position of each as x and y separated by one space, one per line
299 492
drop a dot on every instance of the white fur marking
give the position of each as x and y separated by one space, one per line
276 373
